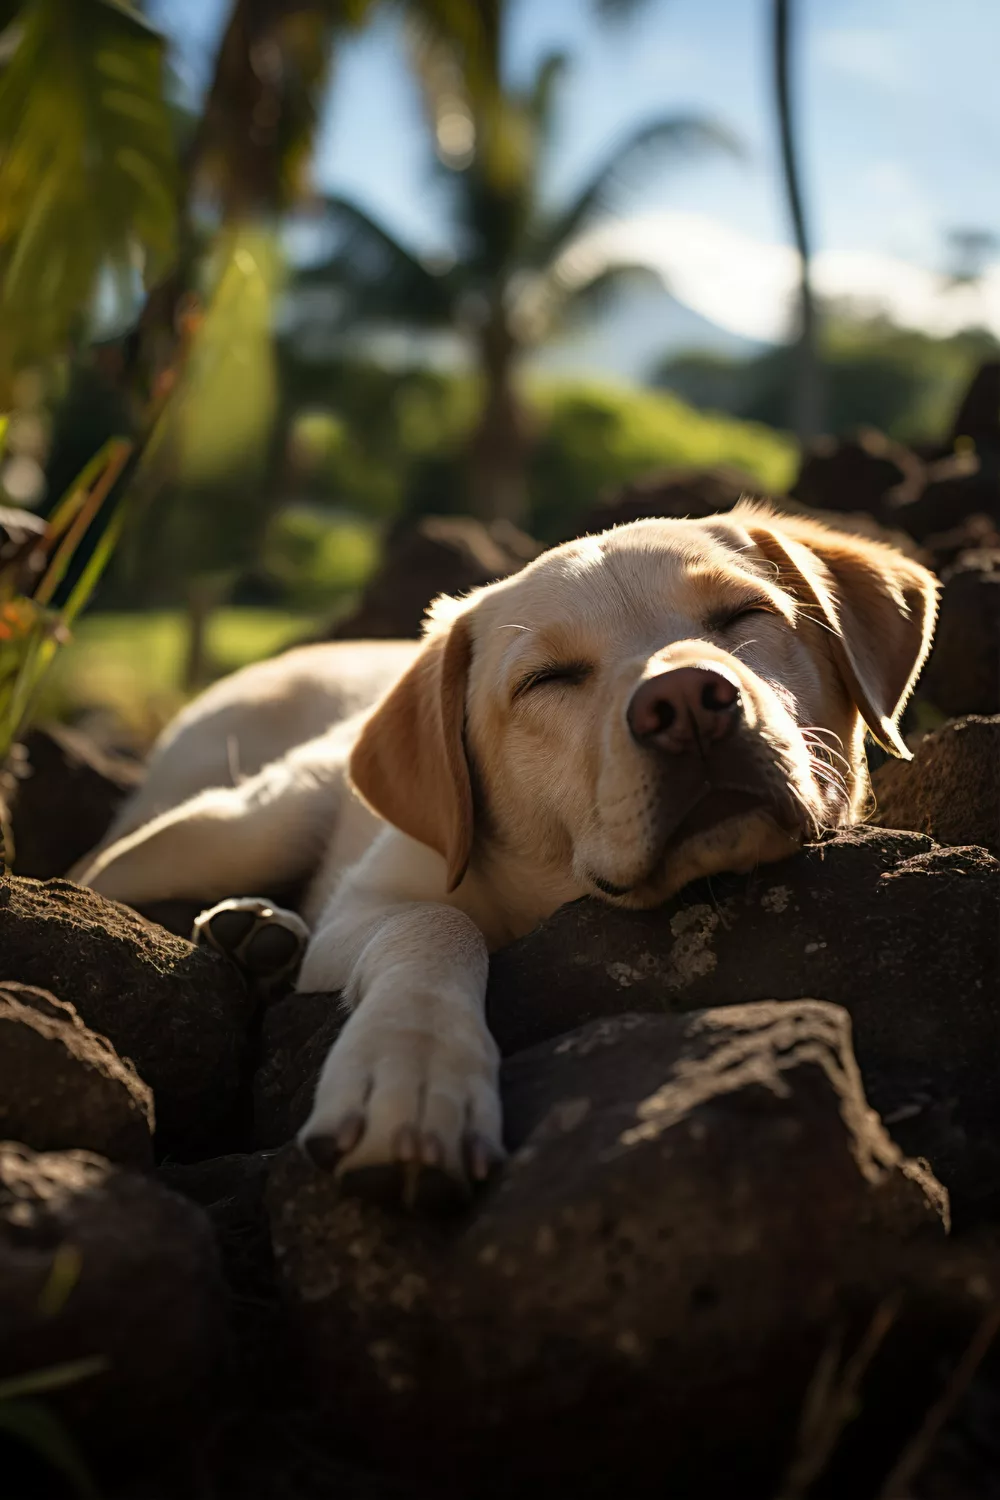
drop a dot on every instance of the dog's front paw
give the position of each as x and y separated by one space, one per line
409 1109
265 942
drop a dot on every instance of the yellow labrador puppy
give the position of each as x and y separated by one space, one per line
632 711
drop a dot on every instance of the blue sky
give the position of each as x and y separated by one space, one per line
897 100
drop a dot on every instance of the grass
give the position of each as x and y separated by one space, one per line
131 664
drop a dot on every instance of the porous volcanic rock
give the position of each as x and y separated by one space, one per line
424 558
863 473
181 1014
64 1087
693 1202
900 932
963 673
64 792
951 787
99 1263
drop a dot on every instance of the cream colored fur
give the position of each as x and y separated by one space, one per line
476 796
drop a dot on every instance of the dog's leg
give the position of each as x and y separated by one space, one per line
268 831
409 1091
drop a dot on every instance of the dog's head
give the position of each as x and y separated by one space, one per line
664 701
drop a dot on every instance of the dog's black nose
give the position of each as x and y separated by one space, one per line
683 708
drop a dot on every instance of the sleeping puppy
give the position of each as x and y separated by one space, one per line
632 711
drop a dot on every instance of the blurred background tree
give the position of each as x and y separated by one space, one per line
509 279
167 264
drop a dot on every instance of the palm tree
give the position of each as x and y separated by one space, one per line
87 167
511 278
105 185
807 392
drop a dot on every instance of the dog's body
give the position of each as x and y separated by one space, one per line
628 713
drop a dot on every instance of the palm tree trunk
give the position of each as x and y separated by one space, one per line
807 403
498 454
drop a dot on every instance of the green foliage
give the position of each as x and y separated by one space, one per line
602 435
507 243
217 431
899 380
130 663
32 1424
396 442
87 170
31 628
317 559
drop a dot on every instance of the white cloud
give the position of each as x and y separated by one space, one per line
908 215
748 286
866 53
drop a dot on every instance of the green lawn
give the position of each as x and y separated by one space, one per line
132 663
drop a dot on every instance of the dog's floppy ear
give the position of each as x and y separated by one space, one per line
879 606
409 762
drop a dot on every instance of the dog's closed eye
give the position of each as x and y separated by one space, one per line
724 619
553 674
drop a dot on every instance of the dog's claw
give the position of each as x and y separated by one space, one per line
323 1151
407 1144
482 1158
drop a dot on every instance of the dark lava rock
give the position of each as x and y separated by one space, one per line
978 415
64 793
868 472
672 492
295 1035
974 533
181 1014
422 559
97 1263
692 1204
961 485
963 673
679 493
62 1086
901 933
951 787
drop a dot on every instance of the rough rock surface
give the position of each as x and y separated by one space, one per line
958 486
681 492
900 932
963 673
862 473
435 555
101 1263
179 1013
64 1087
673 492
65 791
951 787
691 1204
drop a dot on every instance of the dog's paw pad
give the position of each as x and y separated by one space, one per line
266 942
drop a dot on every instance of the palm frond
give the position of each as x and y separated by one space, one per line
604 290
87 167
618 10
256 132
556 302
541 97
87 171
380 278
671 137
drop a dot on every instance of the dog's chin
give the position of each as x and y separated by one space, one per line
713 841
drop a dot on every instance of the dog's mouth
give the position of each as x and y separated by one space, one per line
715 805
